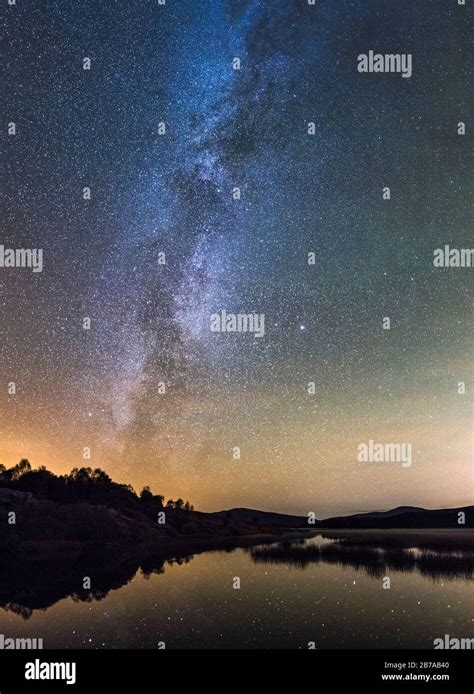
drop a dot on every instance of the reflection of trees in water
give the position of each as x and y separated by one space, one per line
29 586
24 589
375 560
150 567
20 610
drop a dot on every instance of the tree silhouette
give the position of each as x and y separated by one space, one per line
83 485
20 469
146 495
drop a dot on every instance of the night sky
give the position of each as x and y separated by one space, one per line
172 193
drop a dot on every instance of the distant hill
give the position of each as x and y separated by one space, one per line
400 517
249 515
404 517
385 514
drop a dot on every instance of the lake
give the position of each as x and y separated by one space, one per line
328 589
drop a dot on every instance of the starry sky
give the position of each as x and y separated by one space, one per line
172 193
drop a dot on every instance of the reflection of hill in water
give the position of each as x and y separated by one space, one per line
26 586
376 555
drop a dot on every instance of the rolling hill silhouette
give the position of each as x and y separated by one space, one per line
399 517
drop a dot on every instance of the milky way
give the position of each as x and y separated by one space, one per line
172 192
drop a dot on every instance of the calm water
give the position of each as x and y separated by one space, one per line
284 601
